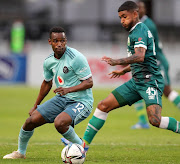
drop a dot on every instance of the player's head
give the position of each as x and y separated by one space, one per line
57 39
142 8
128 13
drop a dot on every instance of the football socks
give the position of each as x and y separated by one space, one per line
170 124
72 136
141 112
23 139
94 125
175 98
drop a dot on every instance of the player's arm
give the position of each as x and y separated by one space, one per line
137 57
118 73
85 84
44 90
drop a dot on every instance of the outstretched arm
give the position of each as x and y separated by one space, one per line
85 84
44 90
137 57
118 73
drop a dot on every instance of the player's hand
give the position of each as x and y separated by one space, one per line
116 74
32 110
62 91
109 60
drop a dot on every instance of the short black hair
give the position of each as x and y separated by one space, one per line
128 5
56 30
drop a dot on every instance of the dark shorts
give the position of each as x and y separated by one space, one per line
130 92
53 107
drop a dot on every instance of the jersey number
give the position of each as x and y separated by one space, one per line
78 107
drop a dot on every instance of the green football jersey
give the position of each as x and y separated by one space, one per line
68 71
140 36
152 27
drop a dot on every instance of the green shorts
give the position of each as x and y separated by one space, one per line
164 67
130 92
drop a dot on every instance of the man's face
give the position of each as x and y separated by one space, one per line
58 42
127 19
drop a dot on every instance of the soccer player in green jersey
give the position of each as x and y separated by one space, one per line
146 83
172 95
73 101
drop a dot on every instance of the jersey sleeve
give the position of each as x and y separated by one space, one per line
81 68
48 74
140 40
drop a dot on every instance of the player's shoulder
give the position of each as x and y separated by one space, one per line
73 53
139 29
49 57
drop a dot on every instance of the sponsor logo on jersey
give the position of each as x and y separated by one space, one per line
65 69
60 80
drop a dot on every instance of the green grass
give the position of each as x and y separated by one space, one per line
115 143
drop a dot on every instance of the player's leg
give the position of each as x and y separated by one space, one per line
99 117
73 114
142 119
155 118
25 134
121 96
172 95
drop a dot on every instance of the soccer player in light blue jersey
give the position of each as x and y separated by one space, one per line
73 101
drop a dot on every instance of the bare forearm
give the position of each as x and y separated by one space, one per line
82 86
130 60
44 90
127 69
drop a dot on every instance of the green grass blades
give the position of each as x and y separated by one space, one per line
115 143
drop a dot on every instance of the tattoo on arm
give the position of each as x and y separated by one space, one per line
135 58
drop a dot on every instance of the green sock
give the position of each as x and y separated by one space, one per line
175 98
94 125
170 124
177 101
141 112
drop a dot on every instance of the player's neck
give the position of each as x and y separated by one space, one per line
58 56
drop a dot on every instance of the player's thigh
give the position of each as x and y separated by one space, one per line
78 112
126 94
152 92
108 104
52 108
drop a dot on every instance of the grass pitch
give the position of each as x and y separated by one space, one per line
114 144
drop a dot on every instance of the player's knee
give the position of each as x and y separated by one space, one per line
103 106
59 123
155 121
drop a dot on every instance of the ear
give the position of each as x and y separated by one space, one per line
49 40
136 14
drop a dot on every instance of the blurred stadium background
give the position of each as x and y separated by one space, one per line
92 27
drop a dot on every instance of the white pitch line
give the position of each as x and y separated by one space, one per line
98 144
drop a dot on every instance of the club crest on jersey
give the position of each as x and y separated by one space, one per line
65 69
60 80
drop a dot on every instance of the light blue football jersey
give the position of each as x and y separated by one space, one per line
69 71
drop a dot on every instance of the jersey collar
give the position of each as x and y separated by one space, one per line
134 26
144 18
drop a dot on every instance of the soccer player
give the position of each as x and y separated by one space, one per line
73 101
172 95
146 83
